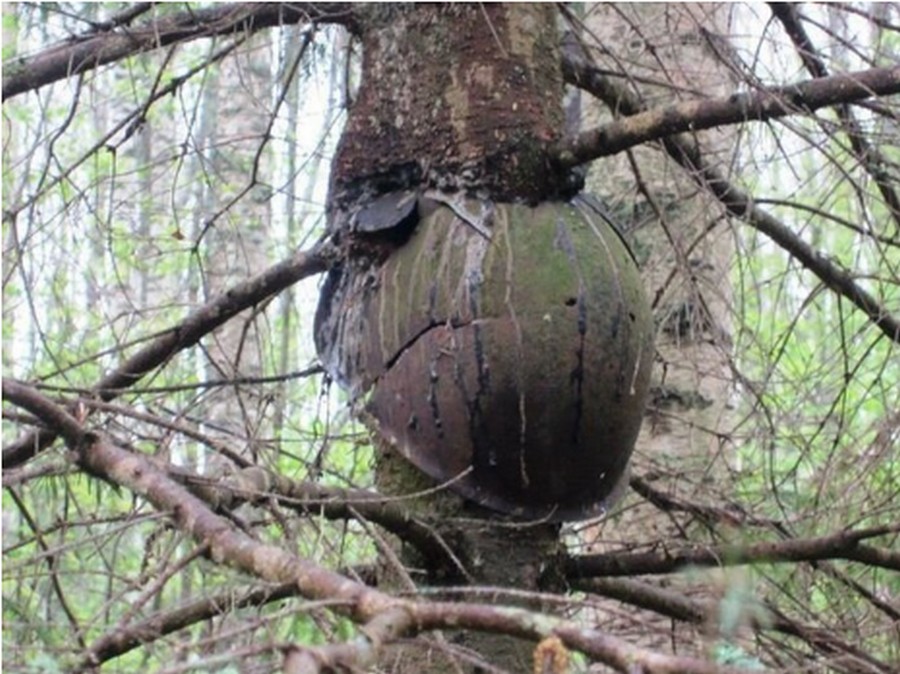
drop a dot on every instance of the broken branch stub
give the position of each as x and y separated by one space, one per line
515 365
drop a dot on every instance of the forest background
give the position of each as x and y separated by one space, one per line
185 491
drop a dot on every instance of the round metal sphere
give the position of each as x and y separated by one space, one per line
514 366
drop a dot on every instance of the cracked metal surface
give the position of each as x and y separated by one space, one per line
514 365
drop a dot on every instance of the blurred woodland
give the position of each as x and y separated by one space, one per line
185 489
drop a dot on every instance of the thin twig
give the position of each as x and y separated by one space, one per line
868 155
737 202
69 58
188 332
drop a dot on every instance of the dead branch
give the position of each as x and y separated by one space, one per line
122 17
761 105
680 607
737 202
868 155
188 332
839 545
159 625
89 51
129 123
732 514
193 386
333 503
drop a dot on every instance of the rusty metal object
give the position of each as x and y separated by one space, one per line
514 366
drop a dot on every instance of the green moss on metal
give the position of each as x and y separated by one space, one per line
524 359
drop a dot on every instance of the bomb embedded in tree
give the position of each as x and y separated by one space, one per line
491 329
502 348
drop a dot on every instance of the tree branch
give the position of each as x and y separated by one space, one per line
761 105
197 385
740 204
188 332
737 202
121 18
737 516
159 625
839 545
93 49
868 156
675 605
385 618
46 410
333 503
732 514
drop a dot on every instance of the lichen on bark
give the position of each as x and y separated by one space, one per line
460 96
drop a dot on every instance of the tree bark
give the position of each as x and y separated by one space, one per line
461 98
455 96
686 251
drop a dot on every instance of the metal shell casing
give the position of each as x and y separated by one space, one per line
515 366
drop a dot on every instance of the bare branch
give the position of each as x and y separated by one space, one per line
763 104
518 622
159 625
737 202
53 566
122 17
731 514
47 411
839 545
741 205
252 483
188 332
868 155
680 607
385 618
195 386
92 50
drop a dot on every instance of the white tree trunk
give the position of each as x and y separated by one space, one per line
685 247
235 233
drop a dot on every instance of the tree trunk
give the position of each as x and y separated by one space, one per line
233 234
468 98
454 96
685 247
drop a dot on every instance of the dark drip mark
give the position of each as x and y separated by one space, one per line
478 428
621 385
433 379
582 314
473 285
432 302
563 241
477 422
577 376
616 323
484 371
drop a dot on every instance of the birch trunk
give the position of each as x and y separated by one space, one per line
685 247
